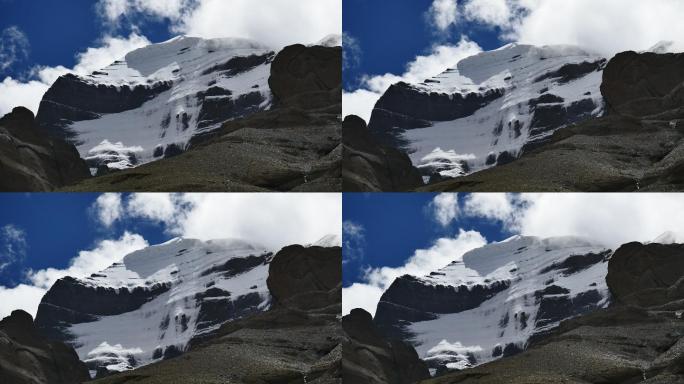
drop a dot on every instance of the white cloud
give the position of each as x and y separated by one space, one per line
443 14
114 10
14 93
87 262
108 208
160 207
362 100
354 236
14 47
445 208
494 12
273 22
606 26
351 53
13 245
360 295
26 297
422 262
612 219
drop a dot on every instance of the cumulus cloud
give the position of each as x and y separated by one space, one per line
274 220
105 253
422 262
13 245
607 26
14 47
14 93
443 14
445 208
361 101
351 51
354 241
108 208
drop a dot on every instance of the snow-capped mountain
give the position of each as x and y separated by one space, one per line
155 100
489 108
157 301
495 300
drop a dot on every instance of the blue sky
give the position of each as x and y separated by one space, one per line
57 30
395 225
57 226
392 33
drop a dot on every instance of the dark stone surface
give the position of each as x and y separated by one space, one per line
27 357
638 146
70 99
58 308
369 166
290 343
372 359
409 300
31 161
573 71
307 78
638 339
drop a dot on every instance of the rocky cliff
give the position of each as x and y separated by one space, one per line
298 340
27 357
637 146
638 339
293 146
32 161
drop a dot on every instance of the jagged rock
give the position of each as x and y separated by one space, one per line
371 359
638 146
369 166
286 344
30 161
307 77
302 277
622 344
296 146
27 357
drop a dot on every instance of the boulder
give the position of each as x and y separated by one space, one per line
31 161
370 358
27 357
371 167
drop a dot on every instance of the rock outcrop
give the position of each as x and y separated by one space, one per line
296 146
297 341
30 161
637 146
638 339
369 358
368 166
27 357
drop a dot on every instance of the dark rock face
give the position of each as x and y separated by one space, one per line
303 278
404 107
31 161
296 146
307 77
71 99
27 357
573 71
640 338
370 358
58 308
410 300
636 147
290 343
647 275
369 166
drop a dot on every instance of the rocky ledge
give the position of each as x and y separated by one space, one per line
296 146
297 341
27 357
32 161
638 339
637 146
